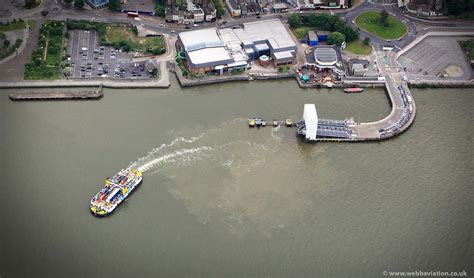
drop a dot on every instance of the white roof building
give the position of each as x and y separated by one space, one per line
311 121
325 56
213 47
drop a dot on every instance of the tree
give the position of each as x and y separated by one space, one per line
336 38
160 10
115 5
182 5
6 43
384 18
455 7
79 4
67 1
366 41
154 72
470 5
219 9
294 20
30 4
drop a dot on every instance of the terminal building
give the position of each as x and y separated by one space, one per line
220 50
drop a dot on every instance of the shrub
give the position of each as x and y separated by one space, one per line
336 38
294 20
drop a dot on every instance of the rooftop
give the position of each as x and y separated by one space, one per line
326 56
194 40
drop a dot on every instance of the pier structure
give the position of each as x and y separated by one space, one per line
79 95
402 114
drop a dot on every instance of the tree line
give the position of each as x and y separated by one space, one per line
332 23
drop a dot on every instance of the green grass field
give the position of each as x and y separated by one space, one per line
302 31
358 47
12 26
116 35
370 21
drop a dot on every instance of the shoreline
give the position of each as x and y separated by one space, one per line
132 84
85 83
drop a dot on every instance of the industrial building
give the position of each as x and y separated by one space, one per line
219 50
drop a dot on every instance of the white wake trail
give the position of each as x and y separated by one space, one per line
146 163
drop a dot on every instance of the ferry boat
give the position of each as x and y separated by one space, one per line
115 191
353 90
251 122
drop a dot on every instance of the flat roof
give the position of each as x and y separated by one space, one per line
283 55
279 6
210 56
198 39
325 55
209 47
323 33
271 32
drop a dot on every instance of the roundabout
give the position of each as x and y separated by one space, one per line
371 22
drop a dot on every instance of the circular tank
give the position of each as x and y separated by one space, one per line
263 60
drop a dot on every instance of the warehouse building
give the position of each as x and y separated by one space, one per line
221 50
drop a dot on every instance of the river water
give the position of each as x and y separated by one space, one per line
222 200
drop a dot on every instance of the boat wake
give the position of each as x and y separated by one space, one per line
236 175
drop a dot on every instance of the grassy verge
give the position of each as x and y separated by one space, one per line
32 24
46 58
17 25
370 21
10 50
469 46
358 47
126 38
302 31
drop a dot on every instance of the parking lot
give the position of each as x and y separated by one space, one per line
91 60
436 57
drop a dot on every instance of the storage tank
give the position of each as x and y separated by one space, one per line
263 60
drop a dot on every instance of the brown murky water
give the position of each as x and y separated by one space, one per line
220 199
